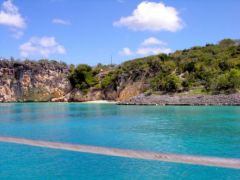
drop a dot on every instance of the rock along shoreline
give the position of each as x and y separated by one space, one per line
184 100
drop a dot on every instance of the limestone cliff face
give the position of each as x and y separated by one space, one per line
92 95
47 81
33 81
130 90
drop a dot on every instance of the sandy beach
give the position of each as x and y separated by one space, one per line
100 102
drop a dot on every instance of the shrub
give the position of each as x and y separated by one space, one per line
81 77
169 83
225 43
229 81
109 80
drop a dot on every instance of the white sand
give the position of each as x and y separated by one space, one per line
100 102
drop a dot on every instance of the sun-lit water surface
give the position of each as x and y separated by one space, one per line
209 131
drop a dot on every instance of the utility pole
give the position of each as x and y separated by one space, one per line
111 60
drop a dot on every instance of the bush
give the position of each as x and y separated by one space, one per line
190 67
186 85
82 77
109 80
226 65
229 81
225 43
234 78
169 83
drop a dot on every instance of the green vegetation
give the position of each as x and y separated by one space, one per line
108 80
210 69
82 77
167 83
227 82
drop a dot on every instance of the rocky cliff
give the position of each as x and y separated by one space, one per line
211 69
47 81
33 81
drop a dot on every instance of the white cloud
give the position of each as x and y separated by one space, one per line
152 41
10 16
126 52
145 51
41 46
152 51
150 46
152 16
61 22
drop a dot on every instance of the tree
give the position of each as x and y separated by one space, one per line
229 81
225 43
169 83
81 77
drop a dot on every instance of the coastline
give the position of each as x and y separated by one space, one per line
63 102
99 102
162 100
184 100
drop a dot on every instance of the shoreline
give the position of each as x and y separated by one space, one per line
62 102
163 100
98 102
184 100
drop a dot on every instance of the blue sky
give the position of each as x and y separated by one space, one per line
91 31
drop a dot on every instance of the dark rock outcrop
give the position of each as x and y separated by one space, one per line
198 100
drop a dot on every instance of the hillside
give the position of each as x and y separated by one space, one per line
212 69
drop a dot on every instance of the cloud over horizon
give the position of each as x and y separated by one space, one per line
150 46
126 52
152 16
41 46
152 41
152 50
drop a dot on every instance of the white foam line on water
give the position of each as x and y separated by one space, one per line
195 160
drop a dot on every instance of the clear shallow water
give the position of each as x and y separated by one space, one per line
210 131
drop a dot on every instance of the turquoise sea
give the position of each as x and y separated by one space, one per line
207 131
